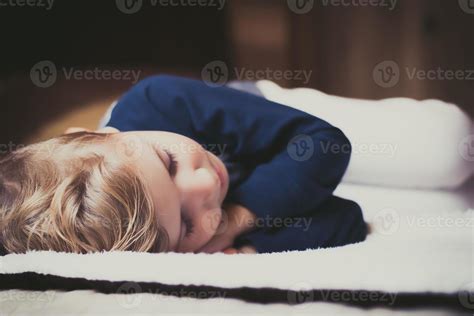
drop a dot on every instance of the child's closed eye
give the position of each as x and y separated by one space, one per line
173 166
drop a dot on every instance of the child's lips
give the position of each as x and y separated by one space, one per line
221 174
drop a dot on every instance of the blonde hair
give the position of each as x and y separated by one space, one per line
87 203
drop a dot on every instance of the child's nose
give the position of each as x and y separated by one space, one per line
200 189
201 192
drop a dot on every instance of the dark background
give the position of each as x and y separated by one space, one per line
341 45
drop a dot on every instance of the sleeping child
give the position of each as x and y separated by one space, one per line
182 167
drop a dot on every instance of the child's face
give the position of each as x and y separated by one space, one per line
187 193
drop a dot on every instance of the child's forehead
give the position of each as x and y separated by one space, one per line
72 151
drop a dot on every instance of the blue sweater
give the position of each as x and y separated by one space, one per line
284 164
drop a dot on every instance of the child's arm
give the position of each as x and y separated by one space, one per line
254 131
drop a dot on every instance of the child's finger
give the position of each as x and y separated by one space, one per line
247 249
76 130
107 130
230 251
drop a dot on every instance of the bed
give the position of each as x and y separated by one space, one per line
417 260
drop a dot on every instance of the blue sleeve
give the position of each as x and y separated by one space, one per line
337 222
257 132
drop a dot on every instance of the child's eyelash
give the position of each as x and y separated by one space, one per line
189 226
173 163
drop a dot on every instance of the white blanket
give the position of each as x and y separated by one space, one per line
414 251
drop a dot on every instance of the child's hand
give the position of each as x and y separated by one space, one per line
236 220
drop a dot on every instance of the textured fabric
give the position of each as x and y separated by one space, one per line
397 142
246 86
287 162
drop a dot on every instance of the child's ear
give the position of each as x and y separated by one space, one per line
76 130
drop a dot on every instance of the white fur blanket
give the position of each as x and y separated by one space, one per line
413 258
